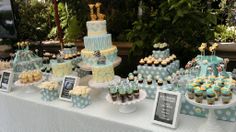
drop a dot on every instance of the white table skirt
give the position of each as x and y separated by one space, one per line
21 112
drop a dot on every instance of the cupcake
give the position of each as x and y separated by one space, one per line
131 77
163 63
203 88
198 95
149 62
211 94
160 82
226 95
190 89
168 79
157 77
130 93
149 79
140 79
54 57
156 63
78 54
135 73
136 92
217 90
156 46
122 93
113 93
142 62
212 78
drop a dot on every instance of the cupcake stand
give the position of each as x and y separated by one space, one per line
30 87
128 106
211 125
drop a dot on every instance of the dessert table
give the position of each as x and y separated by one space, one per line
23 112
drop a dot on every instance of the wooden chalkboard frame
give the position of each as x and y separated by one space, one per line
62 87
176 111
9 84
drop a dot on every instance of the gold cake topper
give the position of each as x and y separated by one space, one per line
99 15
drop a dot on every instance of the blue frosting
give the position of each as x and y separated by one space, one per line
161 54
98 43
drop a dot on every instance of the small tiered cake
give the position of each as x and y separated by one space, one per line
97 38
159 63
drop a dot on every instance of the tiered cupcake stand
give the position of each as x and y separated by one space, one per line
211 125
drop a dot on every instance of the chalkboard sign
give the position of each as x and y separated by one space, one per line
166 108
6 81
69 82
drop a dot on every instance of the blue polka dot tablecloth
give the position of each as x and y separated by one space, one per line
81 101
49 95
228 114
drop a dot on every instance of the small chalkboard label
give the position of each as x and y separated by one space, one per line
6 81
166 109
69 82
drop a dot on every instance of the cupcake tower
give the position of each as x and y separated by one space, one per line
211 89
124 92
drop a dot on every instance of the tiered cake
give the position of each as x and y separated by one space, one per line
99 53
98 39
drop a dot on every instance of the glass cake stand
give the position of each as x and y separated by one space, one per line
128 106
211 125
87 67
30 87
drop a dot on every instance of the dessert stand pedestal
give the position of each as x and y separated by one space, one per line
211 125
30 87
128 106
87 67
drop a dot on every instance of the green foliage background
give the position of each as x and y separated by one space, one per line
183 24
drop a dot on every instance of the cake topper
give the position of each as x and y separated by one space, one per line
92 15
101 59
99 15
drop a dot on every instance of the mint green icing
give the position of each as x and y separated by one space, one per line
198 91
130 90
210 92
113 89
225 91
216 87
122 90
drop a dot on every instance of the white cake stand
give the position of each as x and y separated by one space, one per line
96 85
211 125
87 67
29 86
128 106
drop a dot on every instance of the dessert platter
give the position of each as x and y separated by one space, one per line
29 79
125 95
